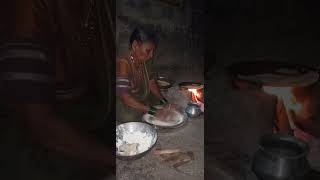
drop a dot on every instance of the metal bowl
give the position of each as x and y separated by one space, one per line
193 110
281 157
132 127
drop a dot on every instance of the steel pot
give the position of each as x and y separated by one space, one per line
281 157
193 110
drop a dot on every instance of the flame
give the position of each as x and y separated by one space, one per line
195 94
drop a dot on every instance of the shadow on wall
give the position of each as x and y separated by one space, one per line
280 30
180 49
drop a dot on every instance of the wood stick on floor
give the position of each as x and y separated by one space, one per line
166 151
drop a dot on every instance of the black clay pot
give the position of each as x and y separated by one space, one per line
281 157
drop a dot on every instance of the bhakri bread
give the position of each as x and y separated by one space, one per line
278 80
172 118
273 73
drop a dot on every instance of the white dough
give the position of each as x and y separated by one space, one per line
133 143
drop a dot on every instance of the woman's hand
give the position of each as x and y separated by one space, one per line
166 114
161 114
171 106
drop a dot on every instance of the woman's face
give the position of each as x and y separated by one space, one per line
143 51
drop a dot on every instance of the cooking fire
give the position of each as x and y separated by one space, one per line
197 97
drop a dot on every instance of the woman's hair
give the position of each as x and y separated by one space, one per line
143 35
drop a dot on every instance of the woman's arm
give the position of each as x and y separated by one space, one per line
155 90
132 102
123 87
31 97
48 129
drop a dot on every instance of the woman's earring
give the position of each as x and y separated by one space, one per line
131 58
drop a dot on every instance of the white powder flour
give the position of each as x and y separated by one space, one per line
133 143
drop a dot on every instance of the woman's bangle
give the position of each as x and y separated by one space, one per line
163 101
152 110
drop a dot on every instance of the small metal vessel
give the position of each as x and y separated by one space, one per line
193 110
281 157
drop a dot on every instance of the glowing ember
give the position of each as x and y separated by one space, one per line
195 94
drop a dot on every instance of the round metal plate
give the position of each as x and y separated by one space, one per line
184 118
164 82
